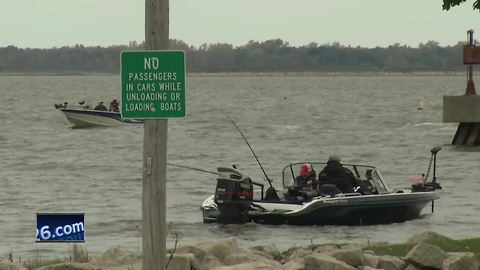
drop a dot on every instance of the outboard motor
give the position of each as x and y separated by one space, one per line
233 196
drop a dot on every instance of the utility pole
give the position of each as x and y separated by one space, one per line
155 151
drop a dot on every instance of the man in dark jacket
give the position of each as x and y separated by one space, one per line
100 107
335 173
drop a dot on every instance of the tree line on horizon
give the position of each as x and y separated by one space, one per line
273 55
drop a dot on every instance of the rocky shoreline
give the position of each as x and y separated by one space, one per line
428 250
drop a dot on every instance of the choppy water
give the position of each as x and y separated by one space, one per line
48 167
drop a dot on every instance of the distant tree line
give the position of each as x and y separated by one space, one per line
273 55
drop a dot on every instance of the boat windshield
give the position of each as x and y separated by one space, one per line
361 172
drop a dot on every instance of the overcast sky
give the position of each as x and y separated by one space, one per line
366 23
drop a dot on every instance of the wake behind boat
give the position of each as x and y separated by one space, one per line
83 116
371 202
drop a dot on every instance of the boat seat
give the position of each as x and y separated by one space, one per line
328 189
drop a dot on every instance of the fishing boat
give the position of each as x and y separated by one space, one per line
236 201
83 116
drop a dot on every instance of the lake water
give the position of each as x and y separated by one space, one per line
371 119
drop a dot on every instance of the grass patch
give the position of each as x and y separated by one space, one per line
37 263
65 266
77 254
398 250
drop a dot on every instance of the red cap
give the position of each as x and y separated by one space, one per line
305 170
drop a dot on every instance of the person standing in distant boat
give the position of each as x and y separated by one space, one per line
114 106
100 107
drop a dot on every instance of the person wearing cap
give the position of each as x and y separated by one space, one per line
100 107
114 106
307 175
304 185
335 173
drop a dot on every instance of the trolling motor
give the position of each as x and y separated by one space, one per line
432 185
434 152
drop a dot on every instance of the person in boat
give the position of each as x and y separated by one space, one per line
307 175
334 173
61 106
305 184
100 107
114 106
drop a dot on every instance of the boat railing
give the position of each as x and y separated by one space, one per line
291 171
363 173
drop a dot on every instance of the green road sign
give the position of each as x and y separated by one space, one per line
153 84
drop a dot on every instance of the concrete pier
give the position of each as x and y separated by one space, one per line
465 109
461 109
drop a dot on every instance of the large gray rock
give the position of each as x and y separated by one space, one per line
325 262
388 262
350 256
180 262
191 249
249 256
427 237
411 267
201 255
370 260
426 255
295 264
247 266
116 256
238 258
301 252
270 250
211 262
332 247
460 261
225 252
210 251
186 261
297 252
219 248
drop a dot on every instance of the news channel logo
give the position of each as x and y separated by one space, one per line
60 227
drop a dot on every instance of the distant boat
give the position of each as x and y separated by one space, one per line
84 117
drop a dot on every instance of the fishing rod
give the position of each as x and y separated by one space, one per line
192 168
251 149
